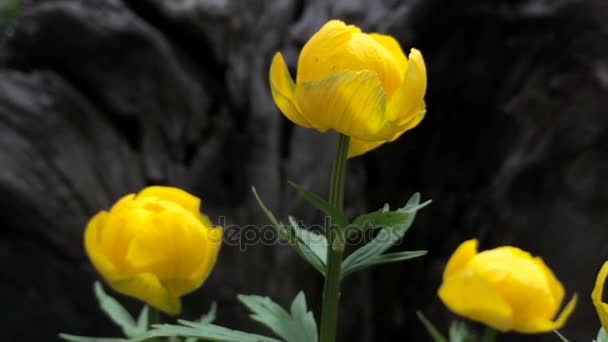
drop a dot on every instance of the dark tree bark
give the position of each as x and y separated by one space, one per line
101 98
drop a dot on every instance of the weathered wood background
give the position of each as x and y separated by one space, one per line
100 98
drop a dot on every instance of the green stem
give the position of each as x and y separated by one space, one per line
153 318
489 335
335 246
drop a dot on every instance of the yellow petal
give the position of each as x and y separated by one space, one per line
555 286
597 296
461 257
392 45
166 193
515 275
409 98
541 324
94 250
358 147
471 296
337 47
316 57
349 102
147 288
282 89
201 258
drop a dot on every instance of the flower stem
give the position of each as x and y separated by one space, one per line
335 246
489 335
153 318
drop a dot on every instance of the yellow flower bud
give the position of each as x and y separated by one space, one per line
155 246
598 293
361 85
505 288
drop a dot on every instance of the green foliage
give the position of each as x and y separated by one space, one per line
601 336
373 252
336 214
301 240
430 328
311 244
119 315
209 332
298 325
8 13
132 329
459 332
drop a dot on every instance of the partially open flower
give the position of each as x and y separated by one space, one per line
155 246
505 288
361 85
598 293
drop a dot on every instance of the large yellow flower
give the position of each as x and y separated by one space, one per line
505 288
155 246
597 294
360 85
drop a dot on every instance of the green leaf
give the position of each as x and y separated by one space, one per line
8 13
459 332
336 214
381 259
601 336
378 219
210 316
372 253
312 244
119 315
209 332
299 326
430 328
296 237
75 338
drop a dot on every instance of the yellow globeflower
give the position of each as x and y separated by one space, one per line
596 296
361 85
155 246
505 288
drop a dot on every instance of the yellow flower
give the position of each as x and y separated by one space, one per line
361 85
597 294
155 246
505 288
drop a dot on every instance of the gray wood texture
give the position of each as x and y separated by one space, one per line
101 98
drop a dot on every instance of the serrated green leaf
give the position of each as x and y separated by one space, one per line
119 315
370 253
300 326
381 259
336 214
209 332
378 219
430 328
300 312
75 338
312 241
601 336
8 13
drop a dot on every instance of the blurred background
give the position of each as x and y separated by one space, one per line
101 98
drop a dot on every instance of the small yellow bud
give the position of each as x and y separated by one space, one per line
505 288
155 246
597 294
